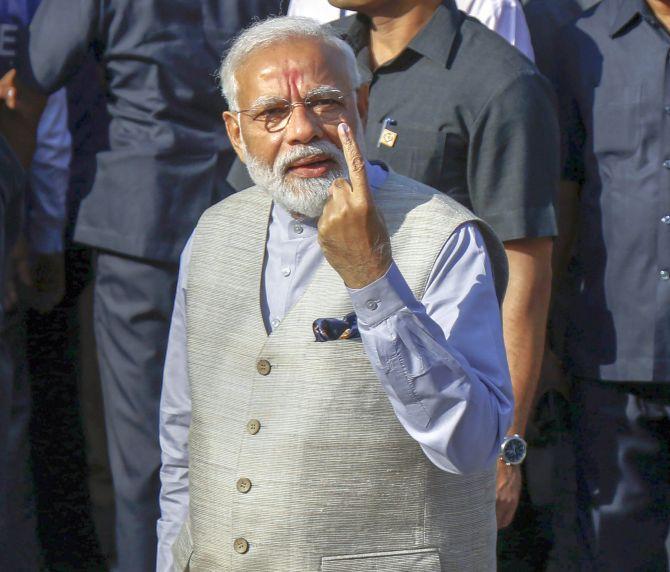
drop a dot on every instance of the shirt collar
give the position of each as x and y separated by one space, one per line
629 14
434 41
437 37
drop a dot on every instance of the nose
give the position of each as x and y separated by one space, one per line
302 126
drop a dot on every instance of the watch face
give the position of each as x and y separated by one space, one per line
514 451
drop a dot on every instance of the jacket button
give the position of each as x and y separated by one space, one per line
241 546
254 426
243 485
263 366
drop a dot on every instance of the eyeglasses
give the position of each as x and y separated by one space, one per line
325 105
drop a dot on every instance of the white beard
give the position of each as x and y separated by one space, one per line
304 196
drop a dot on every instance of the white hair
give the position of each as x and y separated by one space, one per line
279 29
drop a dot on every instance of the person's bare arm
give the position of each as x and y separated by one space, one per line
524 322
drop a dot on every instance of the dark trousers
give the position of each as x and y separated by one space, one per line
133 302
59 450
19 549
623 462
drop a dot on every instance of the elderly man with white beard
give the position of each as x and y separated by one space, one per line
336 391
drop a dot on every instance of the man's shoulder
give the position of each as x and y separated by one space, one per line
484 65
486 51
403 195
251 198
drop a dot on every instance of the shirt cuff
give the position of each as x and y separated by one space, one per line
382 298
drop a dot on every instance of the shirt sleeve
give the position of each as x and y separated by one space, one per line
442 360
175 420
61 34
513 159
49 178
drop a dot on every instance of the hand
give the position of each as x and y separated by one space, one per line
34 279
508 493
352 233
20 112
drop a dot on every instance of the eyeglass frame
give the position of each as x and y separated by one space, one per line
292 105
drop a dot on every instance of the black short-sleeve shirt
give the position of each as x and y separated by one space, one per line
615 99
473 118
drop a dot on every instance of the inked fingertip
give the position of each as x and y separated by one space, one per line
343 128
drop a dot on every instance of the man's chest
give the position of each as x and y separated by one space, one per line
625 101
417 126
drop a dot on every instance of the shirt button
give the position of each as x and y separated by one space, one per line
274 323
254 426
241 546
666 163
297 228
666 219
286 271
372 305
664 275
243 485
263 366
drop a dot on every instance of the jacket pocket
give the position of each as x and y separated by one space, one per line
418 560
182 549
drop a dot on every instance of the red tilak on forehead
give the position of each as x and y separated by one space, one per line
293 78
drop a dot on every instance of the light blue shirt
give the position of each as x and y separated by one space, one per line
448 346
46 204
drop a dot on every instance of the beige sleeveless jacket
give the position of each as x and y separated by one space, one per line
297 461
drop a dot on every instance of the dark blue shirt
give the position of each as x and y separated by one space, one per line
615 92
167 152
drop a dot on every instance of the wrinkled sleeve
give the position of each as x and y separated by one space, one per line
514 159
442 360
175 420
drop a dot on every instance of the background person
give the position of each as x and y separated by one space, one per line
616 211
165 165
506 17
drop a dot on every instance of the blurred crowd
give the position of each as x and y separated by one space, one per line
112 145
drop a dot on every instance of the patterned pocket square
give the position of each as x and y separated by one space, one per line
328 329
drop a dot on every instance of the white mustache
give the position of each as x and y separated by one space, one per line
324 149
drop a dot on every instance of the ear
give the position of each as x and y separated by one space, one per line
234 133
362 100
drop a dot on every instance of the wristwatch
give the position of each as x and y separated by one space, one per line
513 450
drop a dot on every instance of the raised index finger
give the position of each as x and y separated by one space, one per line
355 161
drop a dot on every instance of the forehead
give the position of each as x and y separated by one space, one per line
289 69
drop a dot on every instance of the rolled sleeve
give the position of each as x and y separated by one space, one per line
513 160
